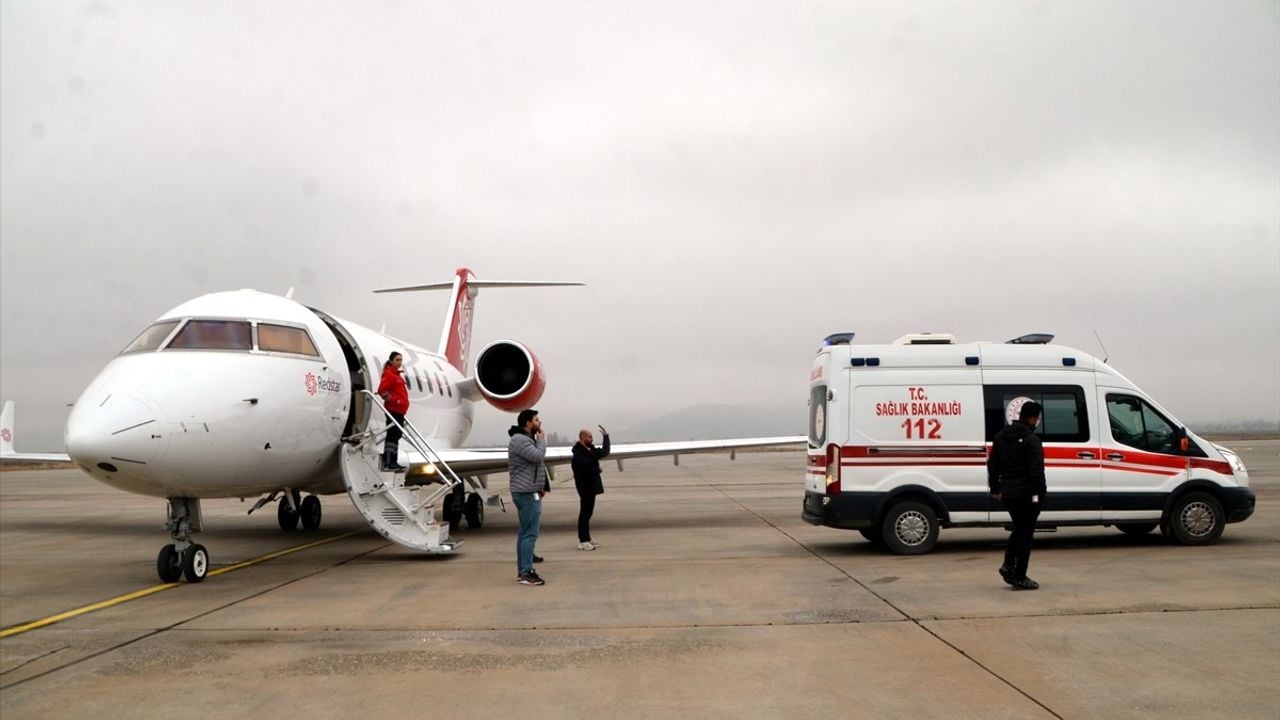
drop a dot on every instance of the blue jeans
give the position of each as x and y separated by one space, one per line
529 507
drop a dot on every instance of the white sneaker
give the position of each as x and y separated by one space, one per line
594 544
586 546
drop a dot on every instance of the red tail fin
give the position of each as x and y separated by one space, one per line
455 339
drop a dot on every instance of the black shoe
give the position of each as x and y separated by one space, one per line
531 578
1007 574
1025 584
537 558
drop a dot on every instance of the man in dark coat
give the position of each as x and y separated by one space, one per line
586 478
1015 475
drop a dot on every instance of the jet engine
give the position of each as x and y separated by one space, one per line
509 376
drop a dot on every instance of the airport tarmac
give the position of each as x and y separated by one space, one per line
709 598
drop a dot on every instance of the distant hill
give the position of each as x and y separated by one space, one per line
714 422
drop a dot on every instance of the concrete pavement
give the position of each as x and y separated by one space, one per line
709 598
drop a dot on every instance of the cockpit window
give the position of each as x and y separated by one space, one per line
151 338
285 339
213 335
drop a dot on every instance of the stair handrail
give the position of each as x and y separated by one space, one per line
419 443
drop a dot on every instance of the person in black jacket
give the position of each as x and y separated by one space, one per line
586 478
1015 474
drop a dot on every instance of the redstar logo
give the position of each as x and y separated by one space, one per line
312 384
5 435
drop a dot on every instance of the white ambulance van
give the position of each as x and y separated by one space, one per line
899 436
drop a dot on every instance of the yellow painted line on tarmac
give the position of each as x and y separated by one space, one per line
44 622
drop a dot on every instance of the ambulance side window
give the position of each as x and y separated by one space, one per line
1138 425
1065 417
818 416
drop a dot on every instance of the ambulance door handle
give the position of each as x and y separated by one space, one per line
1116 457
1086 455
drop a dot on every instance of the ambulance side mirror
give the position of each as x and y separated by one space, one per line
1184 443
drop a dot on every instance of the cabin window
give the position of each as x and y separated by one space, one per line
1137 424
285 339
213 335
1065 417
151 338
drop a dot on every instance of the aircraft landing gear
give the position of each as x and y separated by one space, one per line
294 508
310 511
183 557
453 507
474 511
287 512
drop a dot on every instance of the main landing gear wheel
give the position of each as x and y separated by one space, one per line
453 509
169 564
310 512
474 511
286 515
195 563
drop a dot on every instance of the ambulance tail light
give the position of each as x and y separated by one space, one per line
833 469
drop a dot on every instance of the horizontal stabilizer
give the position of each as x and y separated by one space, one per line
480 284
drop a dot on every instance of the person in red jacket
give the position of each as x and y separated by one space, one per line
395 396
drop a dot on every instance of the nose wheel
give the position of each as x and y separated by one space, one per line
169 564
183 557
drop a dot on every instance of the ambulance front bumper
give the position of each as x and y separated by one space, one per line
1239 503
849 510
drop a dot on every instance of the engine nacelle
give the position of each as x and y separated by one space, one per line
509 376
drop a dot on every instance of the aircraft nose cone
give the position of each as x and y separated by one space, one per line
120 431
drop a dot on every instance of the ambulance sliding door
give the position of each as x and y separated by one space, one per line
1068 431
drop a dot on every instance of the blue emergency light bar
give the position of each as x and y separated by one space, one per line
837 339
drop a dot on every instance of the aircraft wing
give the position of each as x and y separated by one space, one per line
24 458
485 461
7 454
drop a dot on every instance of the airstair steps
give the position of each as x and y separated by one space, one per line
403 514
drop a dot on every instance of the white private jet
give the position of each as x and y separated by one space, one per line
241 394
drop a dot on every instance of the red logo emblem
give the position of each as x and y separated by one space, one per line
312 384
5 435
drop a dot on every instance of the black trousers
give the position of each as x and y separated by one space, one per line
586 507
391 449
1018 553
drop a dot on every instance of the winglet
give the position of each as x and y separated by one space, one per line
6 429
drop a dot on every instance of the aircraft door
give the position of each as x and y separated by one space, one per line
358 369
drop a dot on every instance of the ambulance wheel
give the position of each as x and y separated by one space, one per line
910 528
195 563
474 511
1136 529
169 564
310 512
1196 518
285 515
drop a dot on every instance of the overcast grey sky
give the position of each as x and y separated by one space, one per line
733 181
